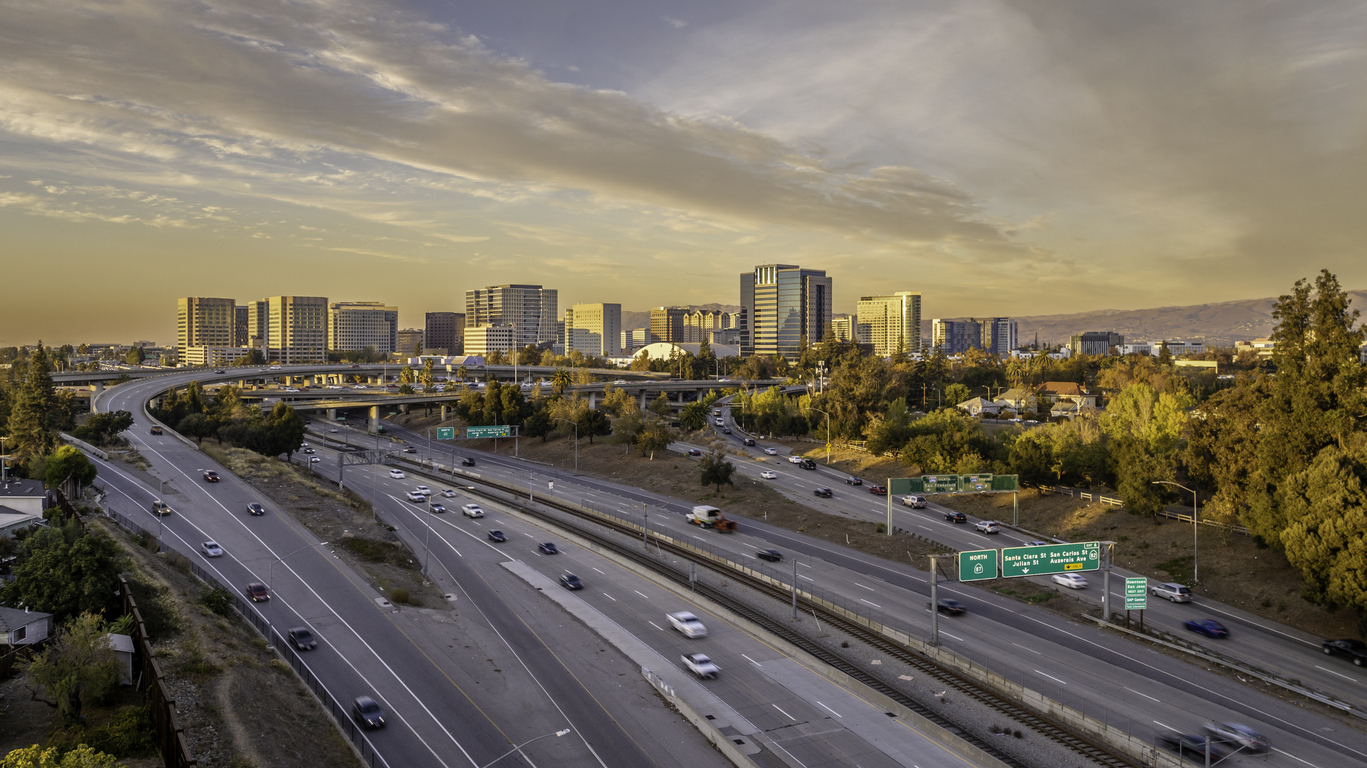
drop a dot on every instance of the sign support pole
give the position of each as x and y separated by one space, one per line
888 527
1016 508
1106 583
934 600
794 589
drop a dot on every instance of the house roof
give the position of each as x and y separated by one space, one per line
14 618
1015 393
978 401
27 489
120 643
1061 388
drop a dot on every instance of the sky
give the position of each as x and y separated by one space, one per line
1002 157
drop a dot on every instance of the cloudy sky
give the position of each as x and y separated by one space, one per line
1000 156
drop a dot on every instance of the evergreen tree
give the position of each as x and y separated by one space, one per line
33 409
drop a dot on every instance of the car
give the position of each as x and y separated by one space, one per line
255 510
1237 737
772 555
700 665
794 459
308 451
694 452
332 430
719 422
210 476
548 548
1208 627
436 508
424 490
415 497
211 549
768 474
396 473
987 526
570 581
956 517
824 493
156 430
1177 593
1070 580
915 502
1036 544
448 494
716 412
878 490
726 430
410 449
160 509
497 535
315 459
257 592
367 713
220 370
467 462
472 510
301 639
771 451
948 606
852 480
275 367
620 381
807 464
687 624
1355 650
747 441
1192 745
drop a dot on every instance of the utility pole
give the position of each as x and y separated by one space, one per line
934 598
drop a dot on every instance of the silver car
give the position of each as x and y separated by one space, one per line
1173 591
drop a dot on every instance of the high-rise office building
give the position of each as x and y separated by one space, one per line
530 309
1095 342
483 339
634 339
842 328
787 308
202 322
297 329
667 324
240 335
411 339
699 324
355 325
444 331
955 337
594 329
999 335
891 323
258 323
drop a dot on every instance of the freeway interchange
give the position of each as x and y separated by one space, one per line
367 650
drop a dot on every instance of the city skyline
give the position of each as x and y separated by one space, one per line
1002 152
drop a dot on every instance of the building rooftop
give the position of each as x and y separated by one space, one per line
14 618
22 489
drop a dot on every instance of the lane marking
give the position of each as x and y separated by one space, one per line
752 661
642 594
1288 754
785 714
1145 695
597 570
1332 672
871 589
1051 677
828 709
946 634
653 624
1032 650
610 597
866 602
800 576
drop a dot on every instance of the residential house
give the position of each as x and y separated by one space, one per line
1017 399
1054 391
978 406
21 505
23 627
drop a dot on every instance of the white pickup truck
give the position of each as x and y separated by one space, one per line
700 665
687 624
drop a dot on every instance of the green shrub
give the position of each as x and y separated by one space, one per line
398 596
218 600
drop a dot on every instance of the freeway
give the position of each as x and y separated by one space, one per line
439 717
1261 644
1131 686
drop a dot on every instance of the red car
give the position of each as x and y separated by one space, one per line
878 490
257 592
210 476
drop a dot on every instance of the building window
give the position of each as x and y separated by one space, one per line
20 634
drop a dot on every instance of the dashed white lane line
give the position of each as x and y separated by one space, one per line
1145 695
752 661
785 714
1032 650
642 594
1332 672
800 576
597 570
610 597
1051 677
946 634
653 624
871 589
866 602
828 709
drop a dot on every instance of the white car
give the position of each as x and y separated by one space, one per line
915 502
1070 580
416 497
314 459
424 490
769 474
700 665
771 451
448 493
472 510
986 526
620 381
211 549
396 473
687 623
794 459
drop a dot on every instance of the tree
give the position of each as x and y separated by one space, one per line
956 393
654 437
707 360
1164 355
197 426
252 359
538 424
426 376
693 417
716 470
68 463
101 427
406 376
78 668
34 408
1136 469
529 355
135 356
64 571
660 405
496 358
560 381
37 757
594 422
286 431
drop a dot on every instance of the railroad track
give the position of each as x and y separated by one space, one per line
1045 727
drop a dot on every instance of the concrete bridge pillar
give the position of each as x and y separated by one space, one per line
374 426
403 408
593 400
444 409
95 389
241 383
332 414
643 399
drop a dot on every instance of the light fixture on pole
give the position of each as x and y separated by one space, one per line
557 734
1195 546
576 441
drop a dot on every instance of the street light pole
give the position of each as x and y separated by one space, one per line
1195 539
828 433
576 441
557 734
270 578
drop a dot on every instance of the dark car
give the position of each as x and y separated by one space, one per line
308 451
951 607
255 510
302 639
956 517
210 476
220 371
853 481
410 449
1207 627
548 548
748 441
257 592
367 713
1193 745
497 536
436 508
824 493
726 430
467 462
694 452
570 581
156 430
878 490
808 464
772 555
1355 650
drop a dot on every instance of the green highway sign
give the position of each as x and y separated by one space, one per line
940 483
502 430
978 565
981 482
1052 558
901 486
446 433
1136 594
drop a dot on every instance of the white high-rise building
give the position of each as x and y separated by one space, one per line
594 329
530 310
999 335
297 329
355 325
891 323
483 339
202 322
